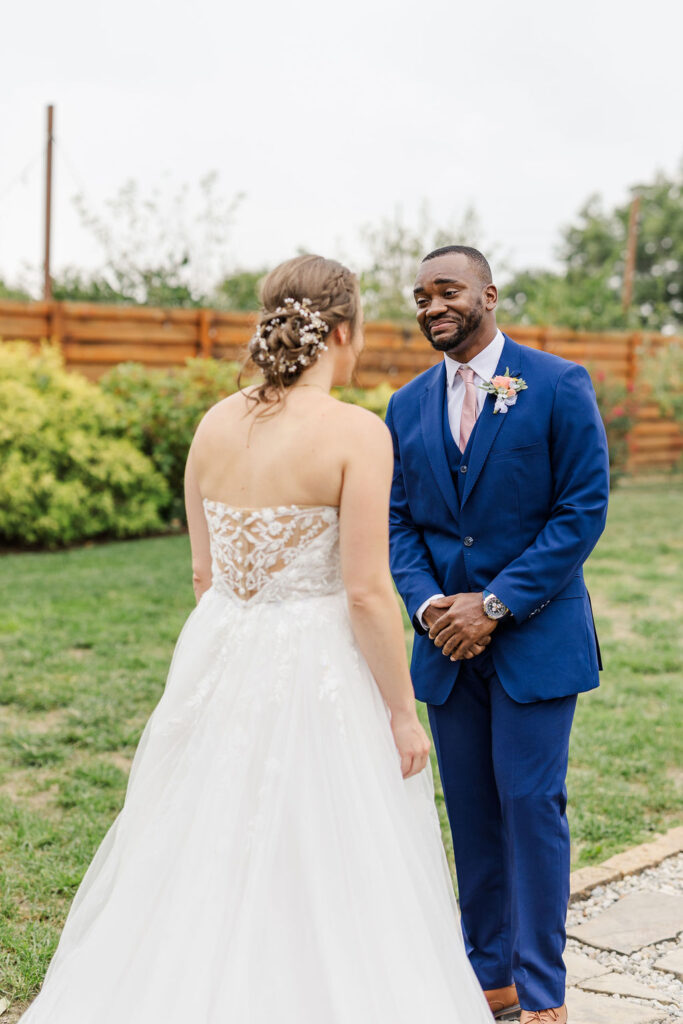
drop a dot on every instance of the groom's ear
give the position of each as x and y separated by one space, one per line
490 296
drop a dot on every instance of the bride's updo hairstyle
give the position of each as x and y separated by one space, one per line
303 300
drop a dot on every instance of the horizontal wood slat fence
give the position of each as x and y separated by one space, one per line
94 337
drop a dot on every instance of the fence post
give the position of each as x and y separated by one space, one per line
205 344
633 342
55 320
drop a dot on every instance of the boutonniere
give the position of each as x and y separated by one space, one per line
506 388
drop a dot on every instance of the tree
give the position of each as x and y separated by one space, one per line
587 295
158 250
239 291
76 286
395 250
13 294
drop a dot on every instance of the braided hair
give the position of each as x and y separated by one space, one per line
303 300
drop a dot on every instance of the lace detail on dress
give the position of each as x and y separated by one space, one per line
272 554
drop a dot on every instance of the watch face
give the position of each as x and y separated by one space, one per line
494 608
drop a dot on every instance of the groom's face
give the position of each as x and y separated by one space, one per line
449 294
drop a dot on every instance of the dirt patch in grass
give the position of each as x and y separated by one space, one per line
21 790
120 760
675 775
14 1013
38 725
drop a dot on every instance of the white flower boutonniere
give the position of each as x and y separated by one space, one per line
506 388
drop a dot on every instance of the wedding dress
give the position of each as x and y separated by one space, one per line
270 865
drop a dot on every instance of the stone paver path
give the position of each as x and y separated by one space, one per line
585 1008
635 921
672 962
625 950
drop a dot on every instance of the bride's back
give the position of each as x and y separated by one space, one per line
287 489
294 454
286 441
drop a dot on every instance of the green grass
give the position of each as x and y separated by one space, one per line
85 642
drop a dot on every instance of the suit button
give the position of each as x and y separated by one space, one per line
468 542
463 469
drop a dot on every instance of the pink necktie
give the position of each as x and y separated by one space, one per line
468 415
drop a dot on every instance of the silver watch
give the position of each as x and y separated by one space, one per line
494 608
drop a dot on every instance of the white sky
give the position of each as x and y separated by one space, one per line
329 116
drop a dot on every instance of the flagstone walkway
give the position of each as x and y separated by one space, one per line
625 950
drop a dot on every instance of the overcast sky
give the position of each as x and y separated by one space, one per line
330 116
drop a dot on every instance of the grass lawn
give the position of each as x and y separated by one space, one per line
85 642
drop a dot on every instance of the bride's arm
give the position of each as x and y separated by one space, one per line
374 610
199 532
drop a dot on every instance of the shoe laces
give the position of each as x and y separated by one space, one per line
543 1016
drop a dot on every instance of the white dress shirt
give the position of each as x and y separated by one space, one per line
484 365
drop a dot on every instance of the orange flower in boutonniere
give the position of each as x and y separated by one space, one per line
505 387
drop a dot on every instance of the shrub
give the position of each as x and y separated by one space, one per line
375 399
159 410
619 410
661 369
66 474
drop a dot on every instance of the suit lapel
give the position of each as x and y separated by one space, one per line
489 423
431 421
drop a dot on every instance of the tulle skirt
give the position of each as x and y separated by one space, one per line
270 865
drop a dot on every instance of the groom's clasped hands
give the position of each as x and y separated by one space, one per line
458 625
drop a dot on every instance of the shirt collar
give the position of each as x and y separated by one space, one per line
484 363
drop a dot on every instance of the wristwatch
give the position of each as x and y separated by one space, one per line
494 608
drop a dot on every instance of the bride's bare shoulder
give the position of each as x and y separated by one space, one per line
231 405
218 418
361 426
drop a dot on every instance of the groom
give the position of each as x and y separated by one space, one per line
499 495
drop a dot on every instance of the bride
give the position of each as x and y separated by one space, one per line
278 856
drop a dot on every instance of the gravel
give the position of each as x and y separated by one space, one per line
667 877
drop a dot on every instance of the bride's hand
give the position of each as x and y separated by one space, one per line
411 742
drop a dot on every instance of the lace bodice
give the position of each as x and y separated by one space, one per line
274 554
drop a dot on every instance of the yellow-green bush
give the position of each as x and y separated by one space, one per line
66 473
375 399
159 410
80 460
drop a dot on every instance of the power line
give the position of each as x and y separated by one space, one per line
13 182
77 179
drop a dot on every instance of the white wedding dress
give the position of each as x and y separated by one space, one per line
270 865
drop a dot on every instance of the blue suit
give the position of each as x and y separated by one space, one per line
517 514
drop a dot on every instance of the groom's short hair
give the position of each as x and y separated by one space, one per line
473 255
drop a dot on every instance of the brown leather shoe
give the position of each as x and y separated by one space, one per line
558 1015
502 1001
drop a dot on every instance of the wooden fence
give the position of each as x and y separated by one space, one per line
94 337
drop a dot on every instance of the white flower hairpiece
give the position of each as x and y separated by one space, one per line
313 334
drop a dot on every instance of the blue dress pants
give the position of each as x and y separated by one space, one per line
503 768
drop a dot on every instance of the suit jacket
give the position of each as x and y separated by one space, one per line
530 508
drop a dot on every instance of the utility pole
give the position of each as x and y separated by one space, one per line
631 243
47 283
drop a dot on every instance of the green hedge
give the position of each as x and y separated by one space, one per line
159 410
81 460
67 473
78 460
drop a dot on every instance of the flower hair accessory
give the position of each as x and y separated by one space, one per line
311 336
505 387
